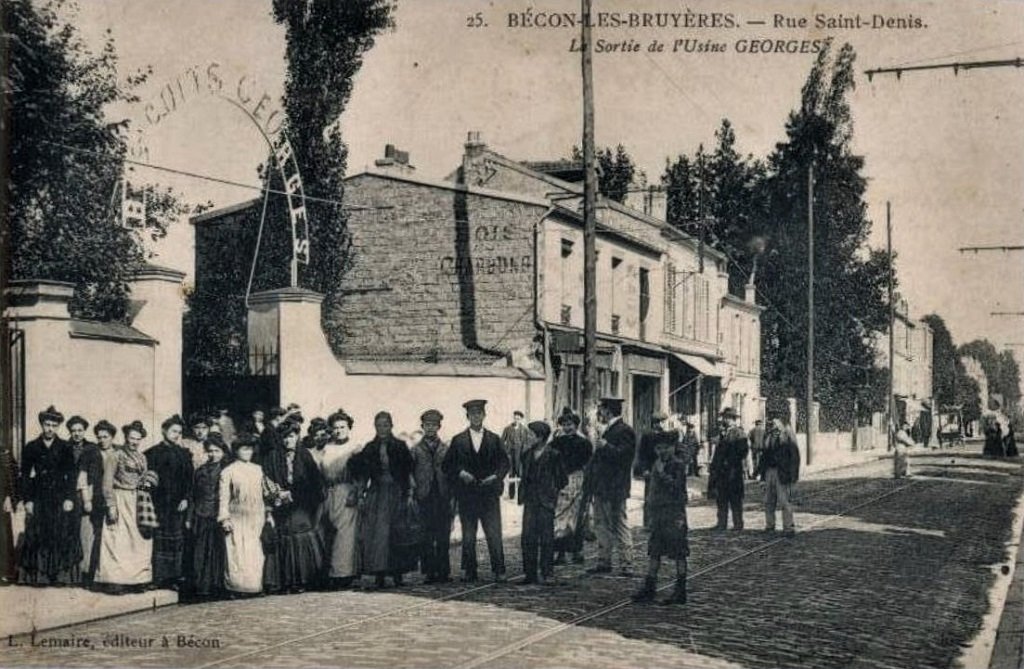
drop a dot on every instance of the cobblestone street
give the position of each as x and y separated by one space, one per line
882 573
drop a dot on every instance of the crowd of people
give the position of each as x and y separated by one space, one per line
216 511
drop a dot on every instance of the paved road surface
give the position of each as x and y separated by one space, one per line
883 573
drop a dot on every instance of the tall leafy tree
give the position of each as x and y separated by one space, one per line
851 307
616 174
66 157
326 41
1000 369
950 383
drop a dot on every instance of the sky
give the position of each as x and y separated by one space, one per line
946 150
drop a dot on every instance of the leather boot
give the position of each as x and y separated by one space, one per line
678 595
646 592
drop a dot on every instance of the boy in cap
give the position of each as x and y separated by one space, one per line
433 498
726 477
665 505
543 476
609 482
646 455
515 438
476 466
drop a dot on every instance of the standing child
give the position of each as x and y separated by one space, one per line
543 476
666 511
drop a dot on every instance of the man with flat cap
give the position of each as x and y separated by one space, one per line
433 499
476 466
726 473
609 483
52 552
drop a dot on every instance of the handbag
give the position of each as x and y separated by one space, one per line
145 513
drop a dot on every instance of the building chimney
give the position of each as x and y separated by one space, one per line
473 170
394 161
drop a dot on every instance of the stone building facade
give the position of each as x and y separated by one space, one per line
479 276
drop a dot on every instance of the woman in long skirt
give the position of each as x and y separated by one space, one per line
242 515
300 549
49 556
340 507
575 451
206 556
386 464
126 554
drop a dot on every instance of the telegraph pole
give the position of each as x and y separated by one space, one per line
892 324
810 308
589 223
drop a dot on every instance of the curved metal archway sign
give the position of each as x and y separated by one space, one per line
243 93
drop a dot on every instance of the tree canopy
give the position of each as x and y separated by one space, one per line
756 212
66 161
616 171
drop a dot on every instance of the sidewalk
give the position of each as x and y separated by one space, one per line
1008 652
26 609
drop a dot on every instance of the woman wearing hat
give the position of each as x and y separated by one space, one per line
89 475
205 563
52 553
576 451
242 514
300 549
340 507
126 554
173 465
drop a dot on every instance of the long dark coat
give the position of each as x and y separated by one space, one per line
48 478
609 472
726 472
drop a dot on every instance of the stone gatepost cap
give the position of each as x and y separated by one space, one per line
286 295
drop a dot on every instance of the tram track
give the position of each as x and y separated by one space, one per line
619 604
573 573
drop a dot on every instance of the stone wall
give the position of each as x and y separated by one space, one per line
437 271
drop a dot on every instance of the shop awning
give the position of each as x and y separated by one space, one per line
703 366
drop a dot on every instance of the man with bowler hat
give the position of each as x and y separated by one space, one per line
726 477
433 498
476 466
609 483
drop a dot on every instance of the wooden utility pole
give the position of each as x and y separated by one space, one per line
810 308
589 223
889 408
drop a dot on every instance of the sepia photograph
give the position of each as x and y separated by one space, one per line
495 334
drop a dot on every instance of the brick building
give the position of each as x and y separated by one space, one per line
480 276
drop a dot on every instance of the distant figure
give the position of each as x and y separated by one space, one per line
227 426
756 439
1010 443
993 440
691 446
901 457
516 437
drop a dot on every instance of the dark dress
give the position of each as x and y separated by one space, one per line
206 561
666 510
386 547
173 466
51 552
297 560
1010 443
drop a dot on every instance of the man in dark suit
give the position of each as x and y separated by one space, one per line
476 465
608 483
725 476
